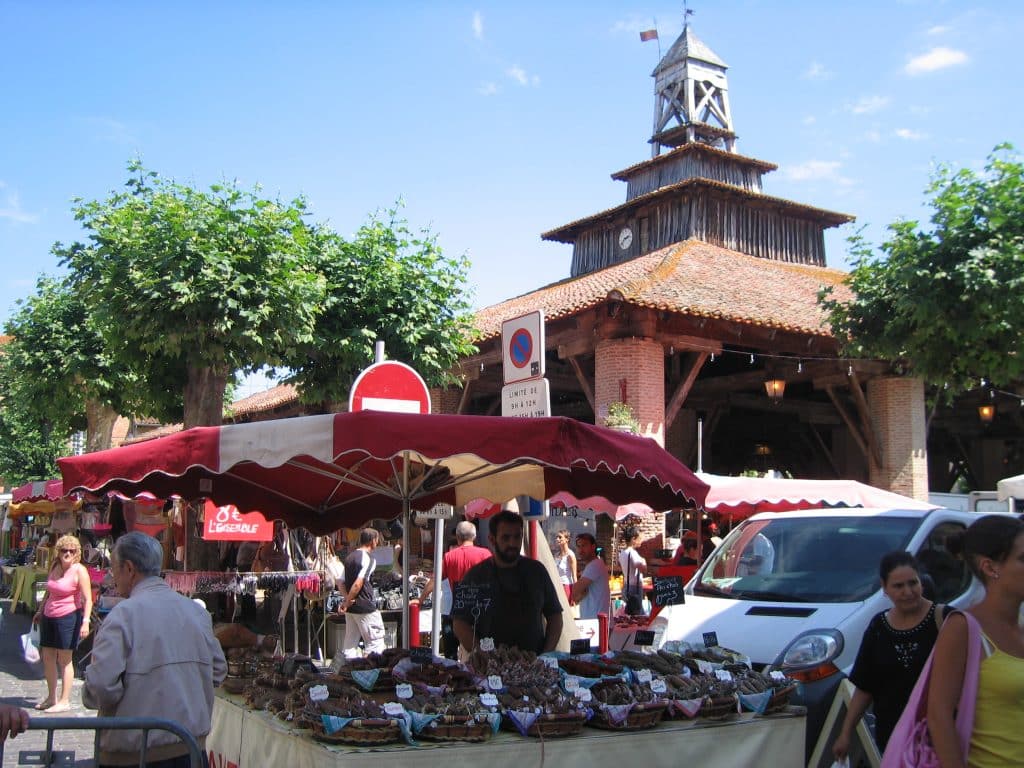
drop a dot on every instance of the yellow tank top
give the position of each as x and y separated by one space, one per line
998 737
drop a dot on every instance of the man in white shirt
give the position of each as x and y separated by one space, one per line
590 591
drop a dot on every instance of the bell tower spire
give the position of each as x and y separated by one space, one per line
691 96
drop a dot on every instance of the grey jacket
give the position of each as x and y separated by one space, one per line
154 656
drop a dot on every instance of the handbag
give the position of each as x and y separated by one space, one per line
910 745
634 599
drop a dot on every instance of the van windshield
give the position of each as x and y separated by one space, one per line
805 559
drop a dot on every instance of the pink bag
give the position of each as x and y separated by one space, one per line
910 745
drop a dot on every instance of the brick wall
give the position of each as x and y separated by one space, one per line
444 400
898 417
638 366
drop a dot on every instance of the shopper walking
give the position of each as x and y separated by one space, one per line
565 562
363 620
63 619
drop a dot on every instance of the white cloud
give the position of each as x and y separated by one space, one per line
478 25
910 134
632 26
938 29
520 76
809 120
936 59
873 135
10 207
817 170
868 104
816 71
488 89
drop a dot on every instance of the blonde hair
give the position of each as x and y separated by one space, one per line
67 541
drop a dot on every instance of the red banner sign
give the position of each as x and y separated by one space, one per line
228 524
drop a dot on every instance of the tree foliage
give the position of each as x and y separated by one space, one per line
947 301
391 285
208 282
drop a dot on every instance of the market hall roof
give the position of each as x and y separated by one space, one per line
693 278
567 232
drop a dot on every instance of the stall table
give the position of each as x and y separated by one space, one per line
249 739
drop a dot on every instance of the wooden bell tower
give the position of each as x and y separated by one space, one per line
691 101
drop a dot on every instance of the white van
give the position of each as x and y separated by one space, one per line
795 590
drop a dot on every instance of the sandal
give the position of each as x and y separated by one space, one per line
44 704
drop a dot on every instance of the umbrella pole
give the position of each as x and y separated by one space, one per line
405 551
435 614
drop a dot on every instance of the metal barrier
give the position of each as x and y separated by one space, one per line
51 757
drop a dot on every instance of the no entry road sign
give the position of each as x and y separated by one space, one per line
389 386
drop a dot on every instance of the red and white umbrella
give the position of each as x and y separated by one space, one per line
341 470
39 490
565 500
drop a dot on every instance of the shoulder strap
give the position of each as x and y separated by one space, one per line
940 614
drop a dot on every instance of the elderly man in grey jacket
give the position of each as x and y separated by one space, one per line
154 656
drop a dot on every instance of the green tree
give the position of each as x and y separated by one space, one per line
388 284
29 443
948 302
212 282
63 372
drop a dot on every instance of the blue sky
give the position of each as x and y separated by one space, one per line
493 121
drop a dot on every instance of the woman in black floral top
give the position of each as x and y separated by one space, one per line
895 646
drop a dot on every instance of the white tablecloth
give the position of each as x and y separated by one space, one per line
247 739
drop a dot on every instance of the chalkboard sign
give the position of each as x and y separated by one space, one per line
472 599
643 637
710 639
577 647
422 654
668 590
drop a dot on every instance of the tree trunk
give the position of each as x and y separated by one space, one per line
204 396
100 425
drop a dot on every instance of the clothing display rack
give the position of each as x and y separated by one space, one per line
231 582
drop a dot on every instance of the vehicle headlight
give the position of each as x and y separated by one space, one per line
811 649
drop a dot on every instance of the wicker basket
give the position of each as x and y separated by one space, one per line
641 717
718 708
236 684
780 699
448 728
550 726
360 733
385 681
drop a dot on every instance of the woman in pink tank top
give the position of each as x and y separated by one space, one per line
64 620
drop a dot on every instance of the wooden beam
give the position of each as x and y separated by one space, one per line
588 391
679 396
825 451
865 419
686 343
465 397
585 345
850 425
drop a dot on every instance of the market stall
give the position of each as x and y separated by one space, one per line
250 739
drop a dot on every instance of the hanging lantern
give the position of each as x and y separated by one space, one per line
986 413
775 389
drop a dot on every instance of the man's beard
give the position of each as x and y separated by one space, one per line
507 556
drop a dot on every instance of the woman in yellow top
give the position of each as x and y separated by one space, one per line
994 549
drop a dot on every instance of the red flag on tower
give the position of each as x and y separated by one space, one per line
648 34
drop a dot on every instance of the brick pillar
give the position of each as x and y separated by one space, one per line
638 365
444 400
898 417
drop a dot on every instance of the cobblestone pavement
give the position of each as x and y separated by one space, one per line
23 684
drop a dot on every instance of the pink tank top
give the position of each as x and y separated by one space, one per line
64 595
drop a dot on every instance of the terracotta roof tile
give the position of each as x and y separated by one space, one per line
693 278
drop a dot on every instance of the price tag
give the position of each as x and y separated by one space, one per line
550 661
488 699
658 685
576 647
668 590
394 709
643 675
486 643
706 667
403 691
777 676
421 654
643 637
319 693
583 694
710 639
472 599
572 683
724 675
494 682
